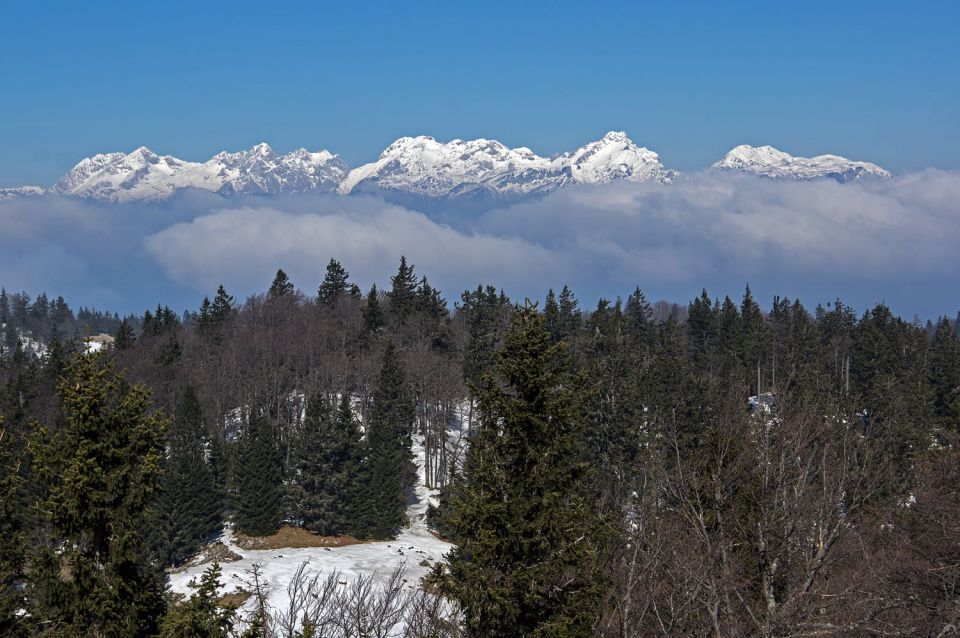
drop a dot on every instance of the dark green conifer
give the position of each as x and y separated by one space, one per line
125 336
12 528
281 286
188 511
258 480
529 543
335 283
403 292
326 457
200 616
372 313
99 471
389 471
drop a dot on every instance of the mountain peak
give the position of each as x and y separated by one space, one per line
768 161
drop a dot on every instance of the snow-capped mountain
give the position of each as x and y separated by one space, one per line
770 162
20 191
144 175
415 169
424 167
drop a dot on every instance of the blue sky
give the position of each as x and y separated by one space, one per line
870 80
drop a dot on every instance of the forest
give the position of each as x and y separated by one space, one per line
628 468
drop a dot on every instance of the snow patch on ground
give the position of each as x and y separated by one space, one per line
414 545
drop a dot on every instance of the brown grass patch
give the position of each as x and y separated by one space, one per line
213 553
234 600
293 537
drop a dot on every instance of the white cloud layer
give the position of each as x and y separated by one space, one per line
894 240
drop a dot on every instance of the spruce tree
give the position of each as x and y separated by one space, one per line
258 480
372 313
389 471
125 336
326 461
403 291
188 511
222 307
200 616
335 283
99 471
281 286
529 541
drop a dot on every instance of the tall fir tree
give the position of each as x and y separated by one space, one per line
326 458
125 335
529 542
92 577
258 480
389 470
281 286
372 314
336 284
188 511
403 291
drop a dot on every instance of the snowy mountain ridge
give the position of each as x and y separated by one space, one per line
768 161
423 166
419 167
143 175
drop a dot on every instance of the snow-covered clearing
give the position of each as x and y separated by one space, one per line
413 548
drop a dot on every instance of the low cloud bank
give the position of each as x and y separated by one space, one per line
892 240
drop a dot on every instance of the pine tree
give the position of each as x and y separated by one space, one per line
281 286
258 481
403 292
200 616
99 472
335 283
389 471
529 543
326 460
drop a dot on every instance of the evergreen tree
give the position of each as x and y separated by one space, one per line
389 472
529 544
99 471
326 460
188 510
944 374
569 313
258 480
222 307
372 313
281 286
335 283
125 336
12 548
403 292
4 307
200 616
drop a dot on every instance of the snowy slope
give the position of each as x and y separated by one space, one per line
414 545
770 162
144 175
424 167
